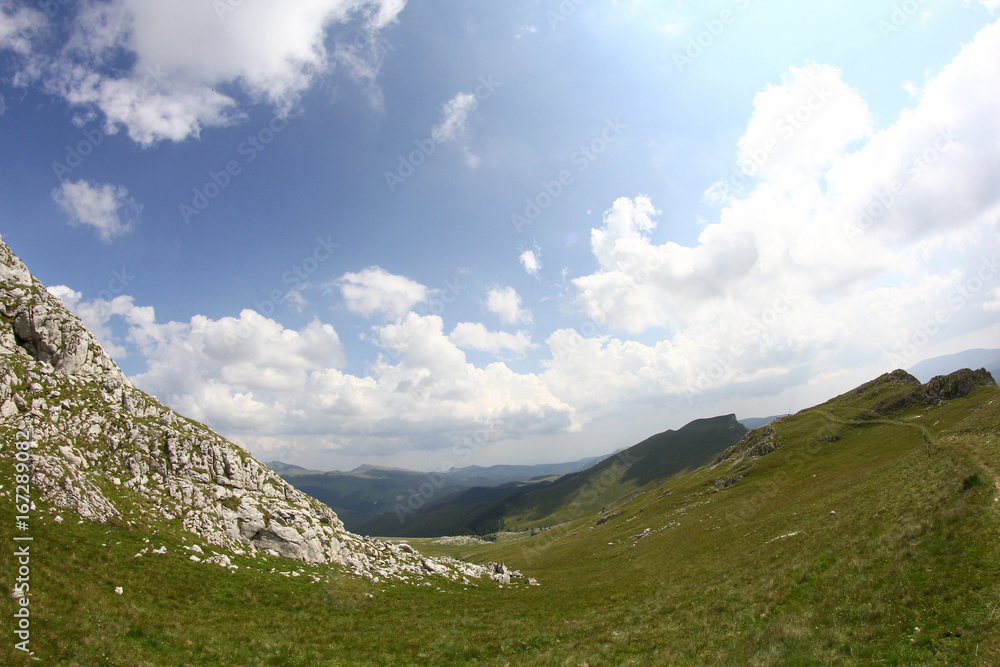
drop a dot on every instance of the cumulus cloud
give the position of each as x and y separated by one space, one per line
184 53
106 208
475 336
529 260
505 303
803 124
253 378
851 244
375 291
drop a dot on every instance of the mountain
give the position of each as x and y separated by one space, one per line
520 506
647 463
503 474
978 358
103 450
281 468
369 491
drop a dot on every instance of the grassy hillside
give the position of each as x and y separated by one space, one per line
845 543
651 461
542 503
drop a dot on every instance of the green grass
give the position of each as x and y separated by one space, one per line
760 573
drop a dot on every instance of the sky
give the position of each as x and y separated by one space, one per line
437 234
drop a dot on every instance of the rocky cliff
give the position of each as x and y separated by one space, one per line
109 452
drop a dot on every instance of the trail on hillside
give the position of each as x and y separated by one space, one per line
928 438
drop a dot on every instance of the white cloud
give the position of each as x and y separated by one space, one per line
801 125
529 260
106 208
186 52
376 291
253 378
853 247
505 303
994 304
475 336
454 125
992 5
454 117
17 27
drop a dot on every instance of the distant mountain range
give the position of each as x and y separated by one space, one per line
529 505
368 491
757 422
972 359
375 500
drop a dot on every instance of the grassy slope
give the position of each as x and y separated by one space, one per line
604 485
913 544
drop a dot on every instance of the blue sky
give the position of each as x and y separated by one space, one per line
438 233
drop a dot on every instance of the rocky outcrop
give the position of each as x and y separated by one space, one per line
109 452
957 385
46 331
758 442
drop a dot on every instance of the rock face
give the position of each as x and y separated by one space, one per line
957 385
110 452
758 442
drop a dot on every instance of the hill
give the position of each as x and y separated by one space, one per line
527 506
649 462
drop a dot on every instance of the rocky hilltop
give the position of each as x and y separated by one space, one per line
112 453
